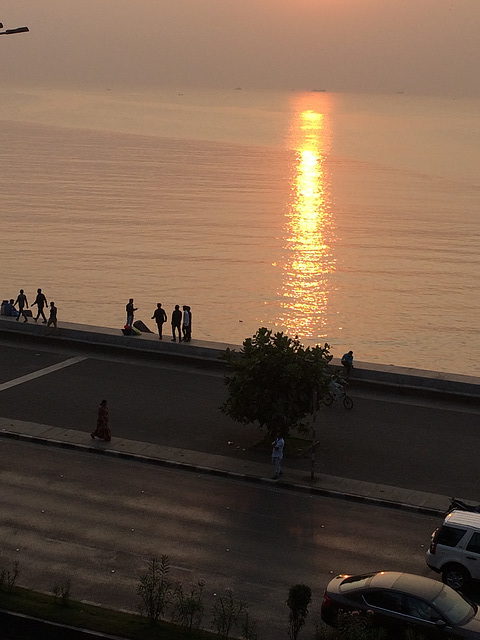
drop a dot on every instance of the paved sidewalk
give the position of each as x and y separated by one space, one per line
293 479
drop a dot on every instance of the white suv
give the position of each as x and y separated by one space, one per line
455 549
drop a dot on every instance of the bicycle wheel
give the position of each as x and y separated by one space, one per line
348 403
327 399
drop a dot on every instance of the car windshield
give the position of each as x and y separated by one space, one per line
453 606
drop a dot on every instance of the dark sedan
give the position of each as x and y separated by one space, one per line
399 601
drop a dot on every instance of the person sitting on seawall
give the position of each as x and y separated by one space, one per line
347 361
8 309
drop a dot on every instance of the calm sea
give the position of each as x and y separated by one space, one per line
351 219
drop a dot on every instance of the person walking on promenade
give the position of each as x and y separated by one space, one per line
186 325
347 361
52 320
160 317
103 430
190 324
22 303
176 323
277 455
41 302
130 309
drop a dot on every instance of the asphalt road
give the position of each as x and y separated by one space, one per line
396 440
97 522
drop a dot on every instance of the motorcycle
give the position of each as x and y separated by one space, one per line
459 505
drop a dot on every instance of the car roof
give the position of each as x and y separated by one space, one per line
407 583
463 518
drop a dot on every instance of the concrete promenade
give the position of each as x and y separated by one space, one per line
206 355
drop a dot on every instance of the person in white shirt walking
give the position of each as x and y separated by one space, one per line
277 455
187 324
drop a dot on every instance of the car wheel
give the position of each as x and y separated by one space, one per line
455 576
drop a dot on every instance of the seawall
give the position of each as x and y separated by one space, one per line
207 354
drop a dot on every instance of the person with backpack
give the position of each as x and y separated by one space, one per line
347 361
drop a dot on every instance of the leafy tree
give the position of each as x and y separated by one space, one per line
273 379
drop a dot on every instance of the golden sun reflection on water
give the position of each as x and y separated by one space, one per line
309 232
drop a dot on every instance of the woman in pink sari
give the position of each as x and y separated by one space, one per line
103 430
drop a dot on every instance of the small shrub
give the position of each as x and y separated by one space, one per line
324 631
9 578
227 613
63 592
357 626
188 607
248 627
155 589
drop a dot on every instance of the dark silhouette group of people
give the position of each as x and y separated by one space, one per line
182 323
9 308
181 320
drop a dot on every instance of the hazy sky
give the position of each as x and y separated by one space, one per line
416 46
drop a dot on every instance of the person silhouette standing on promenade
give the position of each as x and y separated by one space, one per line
160 317
41 302
190 324
347 361
176 323
130 309
186 325
52 320
103 430
277 455
22 303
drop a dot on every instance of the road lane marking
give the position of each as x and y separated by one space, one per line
41 372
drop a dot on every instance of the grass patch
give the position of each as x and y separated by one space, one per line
86 616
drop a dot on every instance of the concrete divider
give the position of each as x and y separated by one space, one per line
205 353
106 338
